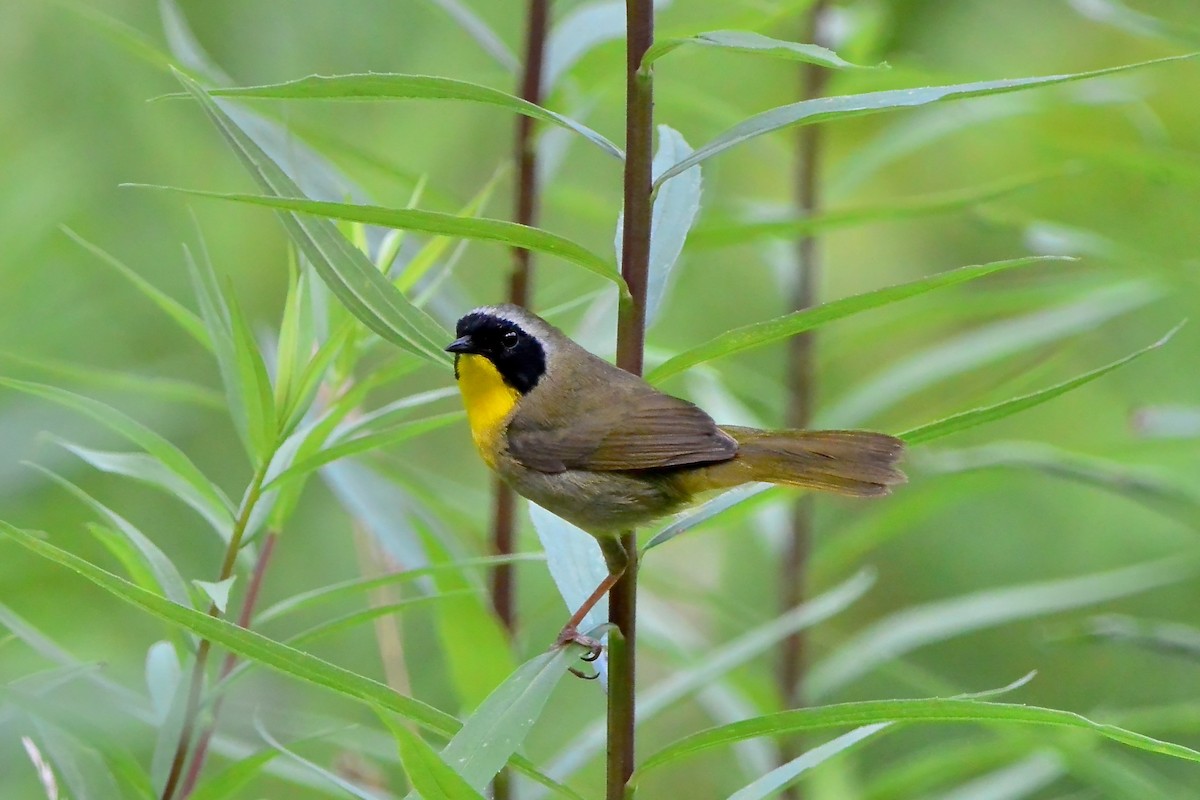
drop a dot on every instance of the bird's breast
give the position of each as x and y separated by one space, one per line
488 400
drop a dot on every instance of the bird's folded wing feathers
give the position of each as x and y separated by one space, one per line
652 430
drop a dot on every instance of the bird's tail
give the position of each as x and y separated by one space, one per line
857 463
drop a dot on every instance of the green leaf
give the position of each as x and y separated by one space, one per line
217 593
1172 638
225 784
152 471
349 274
978 416
728 234
361 444
257 394
756 44
245 643
906 711
172 457
337 780
493 230
393 86
429 775
774 330
499 726
581 30
183 317
825 109
912 628
575 561
166 577
785 775
1121 16
974 348
676 205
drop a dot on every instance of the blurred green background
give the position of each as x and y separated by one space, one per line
1119 160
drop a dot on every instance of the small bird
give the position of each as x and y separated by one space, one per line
606 451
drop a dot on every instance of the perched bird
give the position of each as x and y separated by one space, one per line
606 451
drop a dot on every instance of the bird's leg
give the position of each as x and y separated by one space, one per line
616 559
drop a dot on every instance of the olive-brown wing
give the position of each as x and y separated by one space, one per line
635 431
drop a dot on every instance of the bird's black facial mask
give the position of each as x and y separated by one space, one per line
518 357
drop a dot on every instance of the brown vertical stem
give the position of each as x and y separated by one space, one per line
526 208
244 619
631 324
801 383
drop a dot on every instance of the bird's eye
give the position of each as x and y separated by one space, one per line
510 339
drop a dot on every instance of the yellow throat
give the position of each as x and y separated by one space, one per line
488 400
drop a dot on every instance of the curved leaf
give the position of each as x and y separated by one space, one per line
978 416
774 330
826 109
906 711
492 230
755 44
348 273
393 86
429 775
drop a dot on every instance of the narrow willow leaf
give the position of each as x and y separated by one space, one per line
1154 489
949 761
245 643
498 727
226 783
81 768
346 622
770 784
728 234
676 205
493 230
580 31
361 444
394 412
152 471
429 775
433 250
575 561
978 416
348 273
903 711
825 109
167 579
171 456
774 330
755 44
981 346
912 628
478 30
184 318
336 780
706 511
218 592
392 86
258 396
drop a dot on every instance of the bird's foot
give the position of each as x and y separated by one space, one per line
570 635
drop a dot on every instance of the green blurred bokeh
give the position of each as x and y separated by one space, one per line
75 123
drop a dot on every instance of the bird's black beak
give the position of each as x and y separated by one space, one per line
462 344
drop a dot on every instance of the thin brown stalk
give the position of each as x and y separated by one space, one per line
631 330
373 562
245 617
196 685
801 383
526 207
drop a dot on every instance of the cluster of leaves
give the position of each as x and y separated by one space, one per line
355 324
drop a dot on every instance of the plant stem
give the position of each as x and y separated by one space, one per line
526 206
244 619
631 331
801 382
205 647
